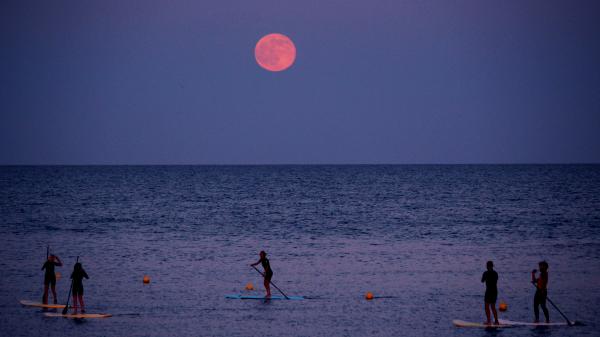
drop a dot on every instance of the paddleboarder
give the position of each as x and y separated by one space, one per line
77 276
541 293
490 277
50 277
268 272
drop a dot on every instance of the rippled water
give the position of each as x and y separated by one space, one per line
417 235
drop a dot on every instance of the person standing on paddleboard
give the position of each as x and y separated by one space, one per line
541 293
268 272
490 277
50 277
77 276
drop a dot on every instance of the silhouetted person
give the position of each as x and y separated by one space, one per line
541 293
268 272
77 276
50 277
490 277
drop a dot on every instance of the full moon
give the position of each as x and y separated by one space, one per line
275 52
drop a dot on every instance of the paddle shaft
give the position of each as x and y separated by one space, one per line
560 312
555 307
64 312
273 284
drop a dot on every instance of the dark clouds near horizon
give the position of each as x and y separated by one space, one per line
175 82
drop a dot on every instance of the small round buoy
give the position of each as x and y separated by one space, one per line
249 286
369 295
503 306
58 275
146 279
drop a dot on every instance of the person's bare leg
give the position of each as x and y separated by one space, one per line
45 297
75 306
546 313
54 293
81 304
487 314
493 305
268 287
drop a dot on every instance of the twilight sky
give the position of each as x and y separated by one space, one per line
176 82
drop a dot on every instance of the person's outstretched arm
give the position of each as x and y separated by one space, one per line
59 262
85 274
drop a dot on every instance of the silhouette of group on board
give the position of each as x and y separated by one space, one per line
490 277
76 284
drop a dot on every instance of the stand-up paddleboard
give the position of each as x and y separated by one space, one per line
257 297
505 321
41 305
52 314
464 324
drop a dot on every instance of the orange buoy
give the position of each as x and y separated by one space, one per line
58 275
146 279
369 295
503 306
249 286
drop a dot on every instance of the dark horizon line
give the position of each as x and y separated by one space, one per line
319 164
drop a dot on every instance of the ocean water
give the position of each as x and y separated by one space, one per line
418 236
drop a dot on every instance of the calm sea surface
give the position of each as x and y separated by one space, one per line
417 235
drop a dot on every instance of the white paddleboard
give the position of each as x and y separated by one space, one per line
257 297
41 305
464 324
505 321
53 314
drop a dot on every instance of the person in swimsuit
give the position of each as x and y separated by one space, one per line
541 293
490 277
268 272
77 277
50 277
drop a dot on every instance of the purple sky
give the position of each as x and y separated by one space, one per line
175 82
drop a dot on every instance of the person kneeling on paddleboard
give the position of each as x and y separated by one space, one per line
50 277
541 293
490 277
77 276
268 272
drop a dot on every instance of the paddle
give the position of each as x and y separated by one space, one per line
569 323
64 312
273 284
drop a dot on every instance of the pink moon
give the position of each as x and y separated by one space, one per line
275 52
